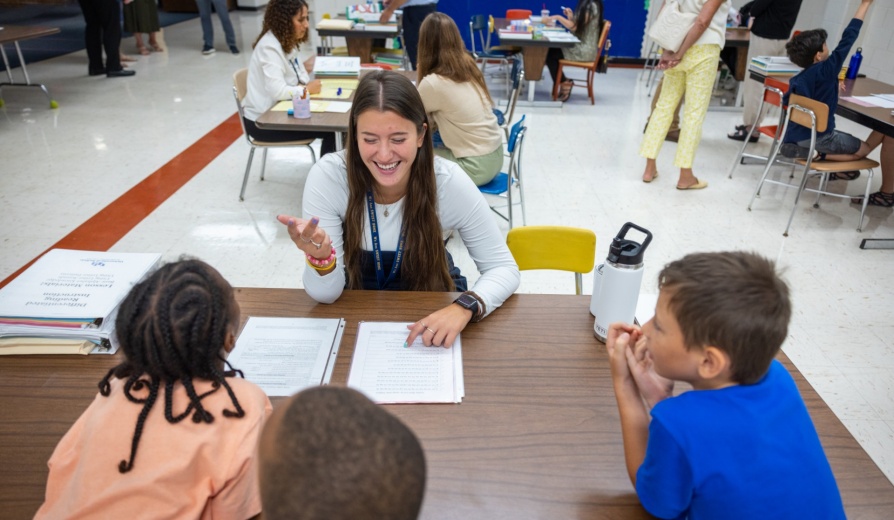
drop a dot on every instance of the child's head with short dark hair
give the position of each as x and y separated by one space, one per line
734 301
329 453
176 325
803 47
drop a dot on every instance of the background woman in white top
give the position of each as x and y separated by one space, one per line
691 70
275 72
457 100
386 197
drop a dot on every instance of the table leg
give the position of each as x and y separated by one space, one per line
361 47
27 82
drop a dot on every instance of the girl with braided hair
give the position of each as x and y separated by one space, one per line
172 431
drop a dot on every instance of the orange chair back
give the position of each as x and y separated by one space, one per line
518 14
771 97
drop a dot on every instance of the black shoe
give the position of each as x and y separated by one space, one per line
234 49
96 72
741 133
120 73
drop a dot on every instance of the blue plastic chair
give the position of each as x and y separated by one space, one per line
503 182
504 117
483 27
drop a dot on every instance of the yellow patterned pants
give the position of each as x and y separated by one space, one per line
694 76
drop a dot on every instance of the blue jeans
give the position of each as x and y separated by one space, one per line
207 29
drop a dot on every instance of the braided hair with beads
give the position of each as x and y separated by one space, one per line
173 326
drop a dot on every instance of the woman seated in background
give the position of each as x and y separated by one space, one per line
586 23
275 72
375 214
457 101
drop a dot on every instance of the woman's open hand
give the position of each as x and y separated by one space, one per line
309 238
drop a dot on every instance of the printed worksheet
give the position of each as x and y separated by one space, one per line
286 355
388 372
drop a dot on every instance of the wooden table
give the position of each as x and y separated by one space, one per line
739 38
533 51
14 34
318 121
359 41
537 435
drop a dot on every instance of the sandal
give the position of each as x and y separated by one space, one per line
879 198
143 51
844 176
155 47
565 91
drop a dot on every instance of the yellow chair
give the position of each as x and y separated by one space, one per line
554 247
240 78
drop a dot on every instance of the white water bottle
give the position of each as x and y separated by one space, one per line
620 283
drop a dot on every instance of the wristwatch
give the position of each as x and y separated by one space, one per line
469 300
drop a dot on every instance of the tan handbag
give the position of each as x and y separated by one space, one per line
672 25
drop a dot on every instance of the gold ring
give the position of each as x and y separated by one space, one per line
432 332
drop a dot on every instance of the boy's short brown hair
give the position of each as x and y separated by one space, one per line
802 48
734 301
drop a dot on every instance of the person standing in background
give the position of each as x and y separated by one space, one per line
415 12
208 30
141 16
103 31
771 27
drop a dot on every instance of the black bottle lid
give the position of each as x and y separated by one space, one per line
628 252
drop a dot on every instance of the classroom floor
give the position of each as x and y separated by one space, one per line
63 169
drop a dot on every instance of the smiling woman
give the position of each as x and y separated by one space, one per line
375 214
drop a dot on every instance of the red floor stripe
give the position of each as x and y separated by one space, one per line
103 230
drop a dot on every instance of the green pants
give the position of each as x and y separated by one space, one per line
480 168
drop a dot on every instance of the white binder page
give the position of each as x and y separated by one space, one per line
389 373
286 355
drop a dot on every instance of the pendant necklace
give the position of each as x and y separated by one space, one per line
386 209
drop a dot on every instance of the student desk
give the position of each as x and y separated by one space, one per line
533 51
739 39
536 437
318 121
14 34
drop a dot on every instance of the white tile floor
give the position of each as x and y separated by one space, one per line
580 167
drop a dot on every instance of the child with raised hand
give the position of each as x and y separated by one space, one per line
172 433
819 81
740 444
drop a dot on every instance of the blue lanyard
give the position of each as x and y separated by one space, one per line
377 250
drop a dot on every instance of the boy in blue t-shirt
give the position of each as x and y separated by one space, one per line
741 444
819 81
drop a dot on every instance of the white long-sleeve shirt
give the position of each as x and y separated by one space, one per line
273 76
461 207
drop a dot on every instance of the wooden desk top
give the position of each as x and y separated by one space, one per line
537 435
14 33
502 23
318 121
358 33
737 36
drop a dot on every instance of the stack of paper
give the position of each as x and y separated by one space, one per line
774 65
68 298
388 372
338 66
333 24
286 355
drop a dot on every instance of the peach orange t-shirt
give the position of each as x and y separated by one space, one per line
183 470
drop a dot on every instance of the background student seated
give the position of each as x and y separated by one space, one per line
171 430
329 453
278 71
741 444
819 81
457 101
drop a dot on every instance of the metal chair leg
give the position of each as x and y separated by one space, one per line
263 163
797 198
251 155
865 201
760 183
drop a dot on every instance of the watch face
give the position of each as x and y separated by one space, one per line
468 301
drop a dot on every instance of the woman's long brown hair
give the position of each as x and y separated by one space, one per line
278 20
442 52
424 265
